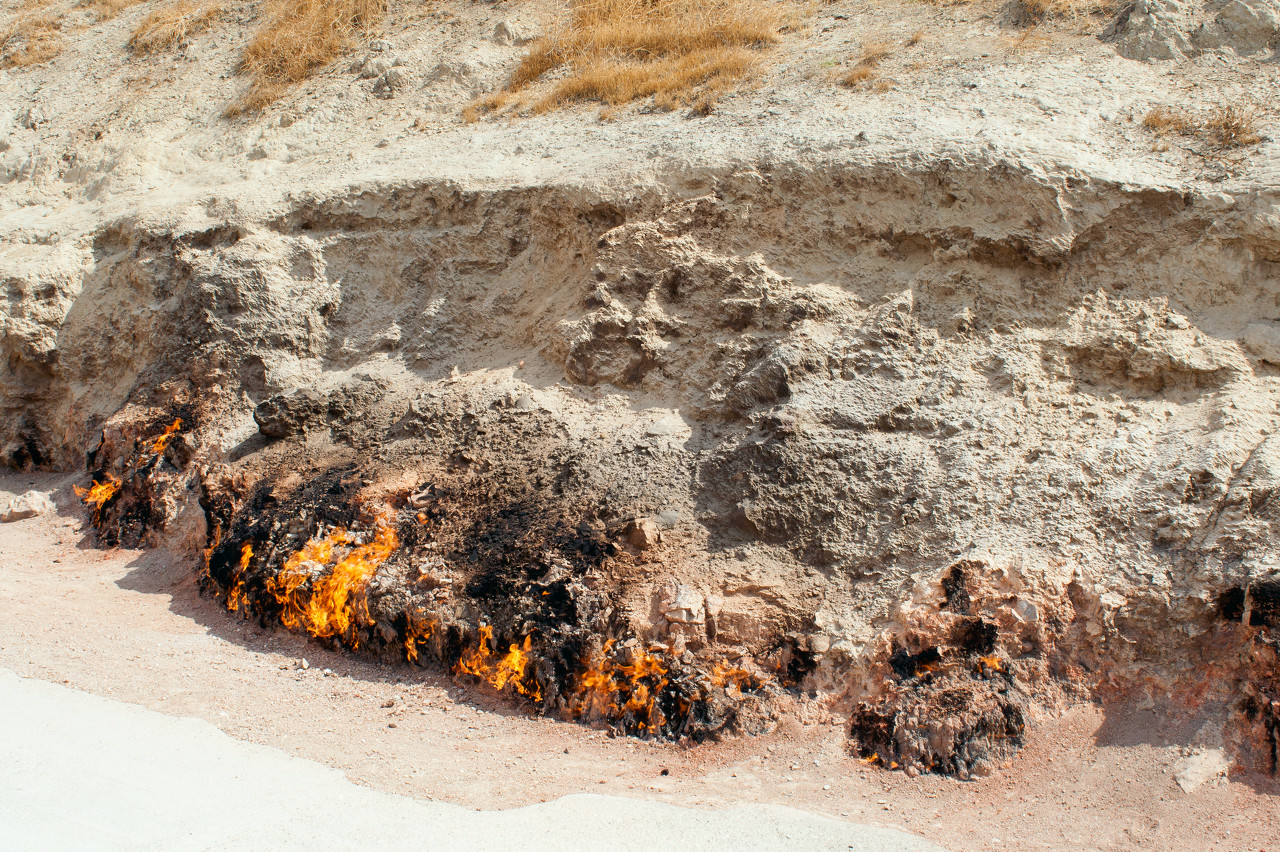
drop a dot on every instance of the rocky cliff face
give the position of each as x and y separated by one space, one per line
933 446
1150 30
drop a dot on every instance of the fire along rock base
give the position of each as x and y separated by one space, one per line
927 448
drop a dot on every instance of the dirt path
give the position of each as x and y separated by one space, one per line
84 772
130 625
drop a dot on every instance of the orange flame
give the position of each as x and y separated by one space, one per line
334 601
727 676
236 596
621 691
285 585
207 553
98 493
416 631
163 440
511 669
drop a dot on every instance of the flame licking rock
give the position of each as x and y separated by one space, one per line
623 693
324 586
207 554
514 668
991 663
236 596
330 604
727 676
98 494
287 586
163 440
417 630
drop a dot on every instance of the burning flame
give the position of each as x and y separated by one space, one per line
416 630
163 440
236 596
334 601
514 668
624 692
98 494
991 662
207 553
727 676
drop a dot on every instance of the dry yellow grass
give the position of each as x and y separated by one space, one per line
108 9
678 52
1164 120
1028 40
32 38
1233 126
864 70
172 25
1031 12
1225 126
295 39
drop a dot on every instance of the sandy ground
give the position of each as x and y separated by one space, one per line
131 626
88 773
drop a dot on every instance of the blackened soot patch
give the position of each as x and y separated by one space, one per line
905 664
975 636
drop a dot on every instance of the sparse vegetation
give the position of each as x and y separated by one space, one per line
679 52
295 39
1032 12
108 9
172 25
1164 120
35 36
1233 126
864 70
1226 126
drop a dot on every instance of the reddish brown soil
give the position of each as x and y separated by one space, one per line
130 625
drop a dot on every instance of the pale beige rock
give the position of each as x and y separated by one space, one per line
29 505
1200 768
1263 340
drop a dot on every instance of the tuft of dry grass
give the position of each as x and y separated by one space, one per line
864 70
1233 126
295 39
1028 40
489 103
172 25
105 10
31 39
679 52
1164 120
1032 12
1225 126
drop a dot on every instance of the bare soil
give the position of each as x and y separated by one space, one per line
131 625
